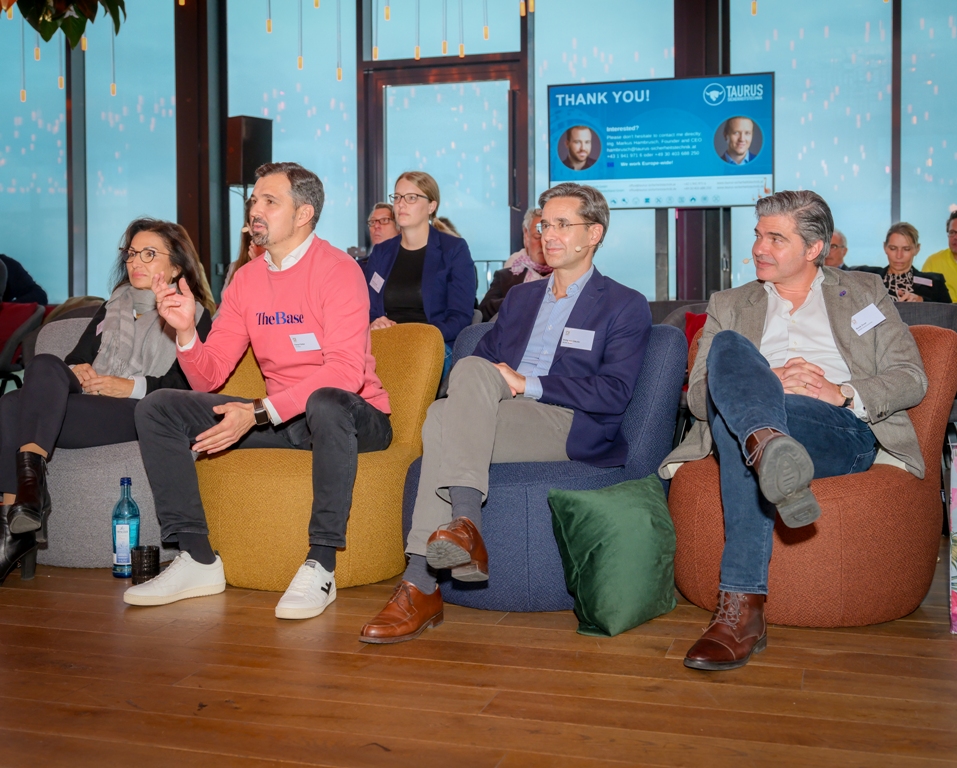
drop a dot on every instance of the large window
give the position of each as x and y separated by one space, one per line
832 68
33 201
928 117
626 40
313 113
131 137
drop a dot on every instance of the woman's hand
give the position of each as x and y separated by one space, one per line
903 295
84 372
111 386
381 322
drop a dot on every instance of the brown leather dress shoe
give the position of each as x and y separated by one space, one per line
785 471
737 630
407 615
459 546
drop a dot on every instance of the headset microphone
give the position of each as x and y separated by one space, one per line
746 261
578 249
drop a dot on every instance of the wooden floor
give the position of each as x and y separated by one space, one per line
85 680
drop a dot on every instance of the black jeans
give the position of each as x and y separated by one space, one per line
337 426
51 410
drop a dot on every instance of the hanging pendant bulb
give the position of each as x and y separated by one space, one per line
754 7
10 13
113 62
416 30
268 17
83 43
339 40
445 27
23 62
299 62
485 19
36 48
461 33
375 30
315 3
59 81
387 14
182 2
521 8
531 6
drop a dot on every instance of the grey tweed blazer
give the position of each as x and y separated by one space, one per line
885 365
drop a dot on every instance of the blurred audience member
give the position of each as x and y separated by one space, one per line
248 250
382 224
838 251
523 266
426 275
21 288
904 283
444 224
945 262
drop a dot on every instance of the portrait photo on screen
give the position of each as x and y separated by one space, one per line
738 140
579 147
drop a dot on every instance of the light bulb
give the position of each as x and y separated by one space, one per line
375 52
339 73
269 26
445 46
83 43
416 53
485 32
112 89
36 53
23 94
461 50
59 82
387 15
521 8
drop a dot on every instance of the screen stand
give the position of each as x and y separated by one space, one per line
661 254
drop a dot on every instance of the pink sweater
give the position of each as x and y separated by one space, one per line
324 294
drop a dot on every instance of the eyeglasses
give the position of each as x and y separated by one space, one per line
951 232
379 222
543 226
146 254
411 198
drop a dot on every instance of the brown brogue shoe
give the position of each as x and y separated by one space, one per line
459 546
737 630
785 471
407 615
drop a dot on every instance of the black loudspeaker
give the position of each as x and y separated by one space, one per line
248 145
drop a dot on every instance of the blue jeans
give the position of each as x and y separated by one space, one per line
745 395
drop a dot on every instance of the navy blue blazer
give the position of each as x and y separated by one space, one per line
448 281
597 383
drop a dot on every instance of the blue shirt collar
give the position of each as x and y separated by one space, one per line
573 290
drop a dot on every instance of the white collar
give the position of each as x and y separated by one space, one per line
292 257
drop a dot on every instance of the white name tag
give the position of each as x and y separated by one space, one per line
577 338
866 319
99 328
924 281
376 282
305 342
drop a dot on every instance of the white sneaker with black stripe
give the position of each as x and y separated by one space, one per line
309 593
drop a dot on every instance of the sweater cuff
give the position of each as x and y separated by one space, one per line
273 413
139 388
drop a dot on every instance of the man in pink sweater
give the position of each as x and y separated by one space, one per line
304 308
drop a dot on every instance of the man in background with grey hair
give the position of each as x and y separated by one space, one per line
549 382
776 402
837 252
523 266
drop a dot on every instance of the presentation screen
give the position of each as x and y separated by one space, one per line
687 143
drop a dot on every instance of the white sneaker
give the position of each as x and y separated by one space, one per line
183 578
309 593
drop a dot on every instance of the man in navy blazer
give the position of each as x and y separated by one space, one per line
549 382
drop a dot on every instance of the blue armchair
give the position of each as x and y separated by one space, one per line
524 563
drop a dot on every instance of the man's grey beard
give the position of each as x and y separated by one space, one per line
260 239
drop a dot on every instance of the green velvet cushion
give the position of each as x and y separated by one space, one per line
618 551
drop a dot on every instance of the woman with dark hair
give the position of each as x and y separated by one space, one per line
88 399
248 250
426 274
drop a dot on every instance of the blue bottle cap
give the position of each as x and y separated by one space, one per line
125 481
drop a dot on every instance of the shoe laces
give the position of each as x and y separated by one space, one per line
304 579
179 562
728 611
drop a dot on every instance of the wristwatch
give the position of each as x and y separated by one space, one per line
260 412
848 391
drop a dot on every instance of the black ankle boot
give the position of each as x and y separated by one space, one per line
15 549
32 507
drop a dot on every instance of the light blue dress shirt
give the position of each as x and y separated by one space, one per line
547 332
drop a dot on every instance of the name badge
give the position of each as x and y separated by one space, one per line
99 327
866 319
923 281
376 282
305 342
577 338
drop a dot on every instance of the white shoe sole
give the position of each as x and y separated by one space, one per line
204 591
304 613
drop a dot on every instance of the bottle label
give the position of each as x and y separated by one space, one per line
121 552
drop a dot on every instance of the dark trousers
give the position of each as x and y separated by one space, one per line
51 410
337 426
745 395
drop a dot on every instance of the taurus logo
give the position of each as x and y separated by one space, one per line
714 94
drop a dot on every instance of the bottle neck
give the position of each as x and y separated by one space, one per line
126 492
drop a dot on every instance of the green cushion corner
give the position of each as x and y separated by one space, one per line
618 548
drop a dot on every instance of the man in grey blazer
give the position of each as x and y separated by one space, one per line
805 373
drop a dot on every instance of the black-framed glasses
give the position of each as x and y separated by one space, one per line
380 222
560 226
410 198
146 254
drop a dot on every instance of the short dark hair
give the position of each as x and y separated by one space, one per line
811 215
305 186
953 215
568 133
727 123
592 206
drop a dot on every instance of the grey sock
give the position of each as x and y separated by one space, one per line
419 574
197 544
467 502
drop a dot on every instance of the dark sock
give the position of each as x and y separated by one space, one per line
419 574
325 556
197 544
467 502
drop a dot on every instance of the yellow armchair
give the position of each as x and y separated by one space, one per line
258 501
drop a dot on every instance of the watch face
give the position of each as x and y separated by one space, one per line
847 390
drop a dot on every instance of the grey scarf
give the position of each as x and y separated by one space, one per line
131 345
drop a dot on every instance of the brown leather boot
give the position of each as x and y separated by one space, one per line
407 615
785 471
459 546
737 630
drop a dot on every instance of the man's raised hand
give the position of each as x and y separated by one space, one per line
177 309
